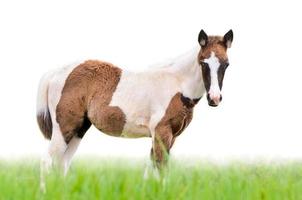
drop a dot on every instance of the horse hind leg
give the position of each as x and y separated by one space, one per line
58 148
53 156
69 153
62 147
74 142
45 166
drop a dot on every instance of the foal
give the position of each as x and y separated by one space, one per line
157 103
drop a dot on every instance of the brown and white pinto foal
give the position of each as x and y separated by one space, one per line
157 103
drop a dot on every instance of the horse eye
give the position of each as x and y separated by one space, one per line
203 64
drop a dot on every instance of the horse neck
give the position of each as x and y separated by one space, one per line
187 69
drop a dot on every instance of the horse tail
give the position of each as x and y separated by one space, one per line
43 114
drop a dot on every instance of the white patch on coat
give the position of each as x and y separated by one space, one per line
141 96
145 96
214 64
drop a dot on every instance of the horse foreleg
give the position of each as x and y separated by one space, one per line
162 142
161 146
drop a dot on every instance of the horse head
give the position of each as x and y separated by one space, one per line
214 61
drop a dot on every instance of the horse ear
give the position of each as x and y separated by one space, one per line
202 38
228 39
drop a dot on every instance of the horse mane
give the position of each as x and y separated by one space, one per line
177 61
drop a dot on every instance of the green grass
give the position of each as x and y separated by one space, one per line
123 179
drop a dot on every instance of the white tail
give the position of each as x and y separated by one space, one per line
42 98
43 115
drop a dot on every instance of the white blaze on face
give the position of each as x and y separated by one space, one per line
214 91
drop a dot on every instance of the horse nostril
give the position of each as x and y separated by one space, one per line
220 98
212 103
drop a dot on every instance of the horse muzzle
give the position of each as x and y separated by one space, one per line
214 100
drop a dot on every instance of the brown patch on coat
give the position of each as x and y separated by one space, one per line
85 99
109 119
215 44
177 117
178 114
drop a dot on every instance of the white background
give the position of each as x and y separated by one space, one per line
260 115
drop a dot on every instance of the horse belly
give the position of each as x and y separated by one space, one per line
136 128
135 131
